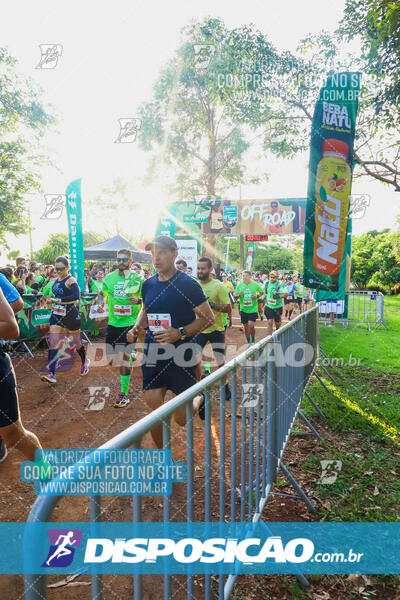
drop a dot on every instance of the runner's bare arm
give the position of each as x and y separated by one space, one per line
70 281
224 308
229 311
141 323
9 329
17 305
205 318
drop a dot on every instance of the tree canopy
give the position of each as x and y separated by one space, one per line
204 107
377 24
374 261
58 245
207 112
23 122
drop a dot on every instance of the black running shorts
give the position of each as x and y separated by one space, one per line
71 320
246 317
273 313
216 339
116 340
8 395
175 372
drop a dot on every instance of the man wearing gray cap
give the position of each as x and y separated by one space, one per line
174 310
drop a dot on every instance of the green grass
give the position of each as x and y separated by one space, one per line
362 412
377 349
361 400
362 430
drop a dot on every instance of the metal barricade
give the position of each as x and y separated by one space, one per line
267 382
362 307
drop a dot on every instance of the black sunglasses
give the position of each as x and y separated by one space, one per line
122 259
60 268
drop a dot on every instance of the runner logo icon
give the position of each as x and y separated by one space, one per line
63 543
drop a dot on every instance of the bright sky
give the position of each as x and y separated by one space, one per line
112 53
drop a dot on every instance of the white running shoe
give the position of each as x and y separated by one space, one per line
49 377
85 367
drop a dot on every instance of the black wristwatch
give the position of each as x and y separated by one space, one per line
182 331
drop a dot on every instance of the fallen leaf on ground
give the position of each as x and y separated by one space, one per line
327 505
69 582
368 580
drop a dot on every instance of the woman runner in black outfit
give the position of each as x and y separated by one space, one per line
65 319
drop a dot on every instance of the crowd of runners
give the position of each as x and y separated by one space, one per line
174 312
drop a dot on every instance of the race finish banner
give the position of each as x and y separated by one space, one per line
227 217
329 182
74 216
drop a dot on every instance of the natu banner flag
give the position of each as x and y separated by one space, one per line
329 182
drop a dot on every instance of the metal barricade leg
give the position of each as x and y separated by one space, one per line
97 581
298 488
309 425
315 405
137 517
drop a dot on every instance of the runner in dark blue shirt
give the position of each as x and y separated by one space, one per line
174 310
177 297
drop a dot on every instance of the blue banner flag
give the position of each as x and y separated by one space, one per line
74 216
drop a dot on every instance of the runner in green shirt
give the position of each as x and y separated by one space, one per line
275 292
122 290
299 294
218 298
248 292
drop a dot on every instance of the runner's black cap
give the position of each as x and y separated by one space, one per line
163 241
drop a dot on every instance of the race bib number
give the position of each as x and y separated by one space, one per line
272 301
58 310
123 311
247 299
158 322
